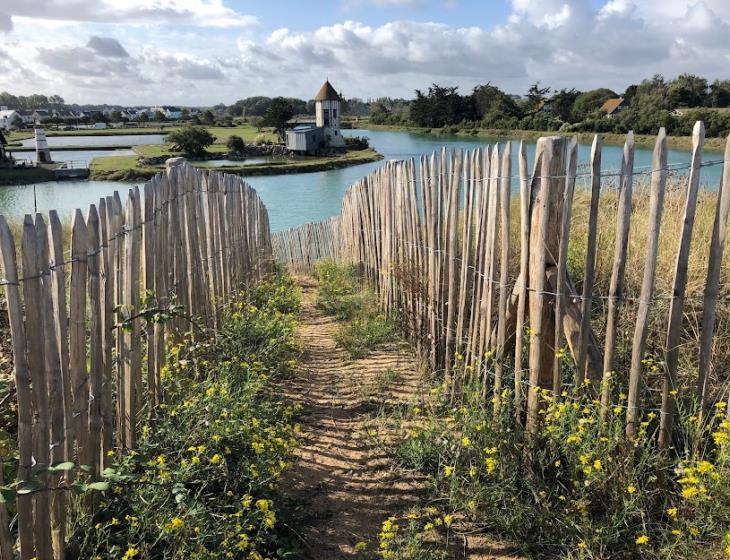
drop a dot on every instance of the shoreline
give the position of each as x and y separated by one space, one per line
136 172
614 139
132 172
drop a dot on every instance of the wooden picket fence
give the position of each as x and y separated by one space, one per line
88 352
432 238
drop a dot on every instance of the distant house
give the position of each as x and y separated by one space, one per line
40 115
9 118
325 133
613 106
26 117
171 113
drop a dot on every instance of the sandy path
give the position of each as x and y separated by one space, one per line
349 487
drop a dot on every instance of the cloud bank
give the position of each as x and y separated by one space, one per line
562 43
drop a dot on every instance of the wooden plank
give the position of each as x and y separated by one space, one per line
452 234
24 504
562 272
522 278
615 293
148 260
55 390
107 329
590 266
130 358
96 349
656 204
77 336
544 239
712 283
679 285
504 204
32 285
60 315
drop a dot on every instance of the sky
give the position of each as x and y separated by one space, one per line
203 52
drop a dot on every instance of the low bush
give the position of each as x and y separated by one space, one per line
362 334
579 488
201 483
338 294
357 142
337 290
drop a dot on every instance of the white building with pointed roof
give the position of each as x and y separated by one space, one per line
325 134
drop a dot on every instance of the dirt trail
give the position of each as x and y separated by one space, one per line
348 486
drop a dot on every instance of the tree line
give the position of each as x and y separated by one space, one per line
655 102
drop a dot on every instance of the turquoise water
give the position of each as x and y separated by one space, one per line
98 140
297 198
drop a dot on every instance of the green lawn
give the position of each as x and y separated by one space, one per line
125 168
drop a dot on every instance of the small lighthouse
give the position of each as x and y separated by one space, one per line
327 107
42 152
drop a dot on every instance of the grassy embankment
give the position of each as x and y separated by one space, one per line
578 490
25 176
641 140
202 481
126 167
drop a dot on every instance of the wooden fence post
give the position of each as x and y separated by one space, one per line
676 307
712 283
24 503
615 293
658 181
32 286
544 239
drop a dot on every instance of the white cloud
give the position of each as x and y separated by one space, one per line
204 13
562 43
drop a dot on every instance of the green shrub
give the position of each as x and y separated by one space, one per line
201 483
578 488
337 290
362 334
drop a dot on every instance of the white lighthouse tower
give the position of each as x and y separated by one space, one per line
328 114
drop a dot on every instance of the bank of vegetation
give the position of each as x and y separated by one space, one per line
652 104
202 481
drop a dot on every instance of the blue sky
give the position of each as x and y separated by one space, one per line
201 52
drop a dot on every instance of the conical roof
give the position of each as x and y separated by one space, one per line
327 93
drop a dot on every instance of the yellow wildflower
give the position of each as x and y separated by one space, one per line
643 539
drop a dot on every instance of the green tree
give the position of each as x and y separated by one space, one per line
159 116
535 97
562 102
687 90
589 102
441 106
720 93
143 117
208 117
191 140
115 116
277 115
235 144
493 106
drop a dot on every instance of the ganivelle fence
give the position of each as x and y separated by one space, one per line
88 335
482 294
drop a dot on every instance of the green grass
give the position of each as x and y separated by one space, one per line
364 328
125 168
25 176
